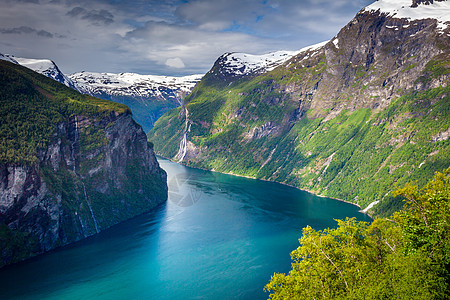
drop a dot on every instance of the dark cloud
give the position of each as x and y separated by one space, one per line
76 11
27 30
96 17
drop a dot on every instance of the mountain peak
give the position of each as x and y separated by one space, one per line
241 64
414 10
43 66
244 63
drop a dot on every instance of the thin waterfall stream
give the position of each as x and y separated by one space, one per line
76 138
183 143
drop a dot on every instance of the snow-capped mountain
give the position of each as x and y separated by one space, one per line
148 96
43 66
135 85
241 64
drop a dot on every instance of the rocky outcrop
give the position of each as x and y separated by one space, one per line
94 173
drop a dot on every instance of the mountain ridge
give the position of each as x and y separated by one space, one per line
148 96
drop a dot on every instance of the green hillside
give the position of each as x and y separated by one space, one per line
31 105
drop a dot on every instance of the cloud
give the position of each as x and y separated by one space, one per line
158 42
219 15
171 37
26 30
175 63
76 11
97 17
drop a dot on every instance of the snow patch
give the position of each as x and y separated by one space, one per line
38 65
336 43
8 57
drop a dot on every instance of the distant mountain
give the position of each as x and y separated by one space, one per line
43 66
148 96
350 118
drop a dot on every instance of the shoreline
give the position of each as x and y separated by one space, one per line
266 180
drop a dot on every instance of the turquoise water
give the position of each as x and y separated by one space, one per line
218 237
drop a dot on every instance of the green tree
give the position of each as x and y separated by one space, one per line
403 257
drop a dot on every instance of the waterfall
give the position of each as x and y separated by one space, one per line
81 223
75 140
182 152
365 210
183 143
83 229
90 208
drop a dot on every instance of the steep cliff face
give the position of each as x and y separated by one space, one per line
349 119
94 169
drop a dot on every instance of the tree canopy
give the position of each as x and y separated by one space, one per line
32 105
406 256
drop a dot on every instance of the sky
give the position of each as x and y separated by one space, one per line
172 37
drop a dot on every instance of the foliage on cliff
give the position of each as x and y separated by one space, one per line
404 257
31 105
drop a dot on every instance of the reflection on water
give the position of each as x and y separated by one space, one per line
218 237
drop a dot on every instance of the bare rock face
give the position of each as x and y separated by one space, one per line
384 58
94 173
